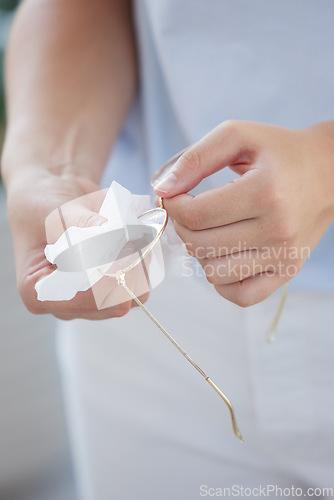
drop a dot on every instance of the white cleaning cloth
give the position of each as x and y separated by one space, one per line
122 209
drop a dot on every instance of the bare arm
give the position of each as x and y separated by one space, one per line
70 80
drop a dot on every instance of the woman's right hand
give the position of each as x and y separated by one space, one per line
33 202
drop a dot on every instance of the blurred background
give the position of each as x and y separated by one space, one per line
34 453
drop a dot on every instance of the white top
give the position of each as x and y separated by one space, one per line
205 61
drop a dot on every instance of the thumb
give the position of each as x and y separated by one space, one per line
84 217
219 148
70 215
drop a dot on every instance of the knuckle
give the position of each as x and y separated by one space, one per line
232 127
212 279
122 309
197 251
275 199
236 295
210 275
89 219
64 317
29 300
192 219
190 161
271 197
285 230
190 249
243 300
32 308
144 298
293 267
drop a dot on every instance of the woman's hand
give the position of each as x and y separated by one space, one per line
254 234
80 81
33 203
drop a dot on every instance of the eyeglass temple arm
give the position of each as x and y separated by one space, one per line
121 281
271 335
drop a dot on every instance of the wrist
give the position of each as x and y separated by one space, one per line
30 153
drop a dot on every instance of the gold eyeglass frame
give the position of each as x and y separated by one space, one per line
121 275
121 280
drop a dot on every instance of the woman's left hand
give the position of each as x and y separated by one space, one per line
254 233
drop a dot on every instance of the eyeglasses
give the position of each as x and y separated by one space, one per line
125 248
133 253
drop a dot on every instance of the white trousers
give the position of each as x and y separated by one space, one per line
144 424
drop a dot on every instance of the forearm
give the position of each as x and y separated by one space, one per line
70 80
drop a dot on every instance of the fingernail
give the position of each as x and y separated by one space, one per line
166 184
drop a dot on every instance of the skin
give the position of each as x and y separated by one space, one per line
77 61
272 216
78 64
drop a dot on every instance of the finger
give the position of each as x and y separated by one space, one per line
80 212
232 202
57 223
94 313
238 267
142 299
221 147
111 312
225 240
251 290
